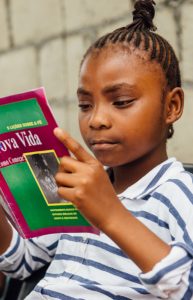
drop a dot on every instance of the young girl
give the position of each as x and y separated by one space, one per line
129 97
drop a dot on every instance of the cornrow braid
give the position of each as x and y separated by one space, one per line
140 34
161 48
146 41
130 36
153 46
123 35
137 41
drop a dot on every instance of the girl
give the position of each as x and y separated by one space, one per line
129 97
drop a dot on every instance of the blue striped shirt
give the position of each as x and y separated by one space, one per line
87 266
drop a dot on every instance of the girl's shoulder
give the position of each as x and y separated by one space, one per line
182 180
176 193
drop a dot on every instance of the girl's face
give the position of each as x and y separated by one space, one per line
121 108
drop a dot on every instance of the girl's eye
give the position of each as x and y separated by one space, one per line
84 107
123 103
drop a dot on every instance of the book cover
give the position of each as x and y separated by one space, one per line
29 159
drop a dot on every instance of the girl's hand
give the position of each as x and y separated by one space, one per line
83 181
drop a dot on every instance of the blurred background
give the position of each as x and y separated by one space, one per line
42 43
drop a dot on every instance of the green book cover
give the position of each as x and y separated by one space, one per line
29 159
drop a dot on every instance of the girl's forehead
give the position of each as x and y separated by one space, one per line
121 59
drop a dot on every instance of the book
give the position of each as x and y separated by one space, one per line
29 159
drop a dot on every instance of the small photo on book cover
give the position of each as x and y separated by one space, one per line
44 166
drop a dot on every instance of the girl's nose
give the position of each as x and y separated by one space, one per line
100 119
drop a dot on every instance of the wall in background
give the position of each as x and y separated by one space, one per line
42 43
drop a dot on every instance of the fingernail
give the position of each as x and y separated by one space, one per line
57 131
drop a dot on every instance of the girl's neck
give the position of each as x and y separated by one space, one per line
128 174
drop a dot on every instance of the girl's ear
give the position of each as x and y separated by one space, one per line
174 105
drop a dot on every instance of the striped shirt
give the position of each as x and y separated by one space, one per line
87 266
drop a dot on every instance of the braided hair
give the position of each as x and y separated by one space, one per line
141 35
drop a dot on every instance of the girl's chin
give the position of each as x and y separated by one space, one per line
108 159
107 162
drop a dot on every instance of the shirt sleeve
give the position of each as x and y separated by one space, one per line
24 256
171 278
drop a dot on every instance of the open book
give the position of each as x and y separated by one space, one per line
29 159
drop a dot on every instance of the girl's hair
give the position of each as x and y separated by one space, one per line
141 35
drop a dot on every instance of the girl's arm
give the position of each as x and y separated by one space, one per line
136 240
20 257
84 182
5 232
166 270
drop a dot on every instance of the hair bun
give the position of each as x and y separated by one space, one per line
143 15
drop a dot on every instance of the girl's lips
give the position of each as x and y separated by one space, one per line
103 145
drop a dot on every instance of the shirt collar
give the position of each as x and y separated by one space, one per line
153 179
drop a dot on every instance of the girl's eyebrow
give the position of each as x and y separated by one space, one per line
108 89
116 87
82 91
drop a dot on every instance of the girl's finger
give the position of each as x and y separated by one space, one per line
66 180
67 193
73 146
69 164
